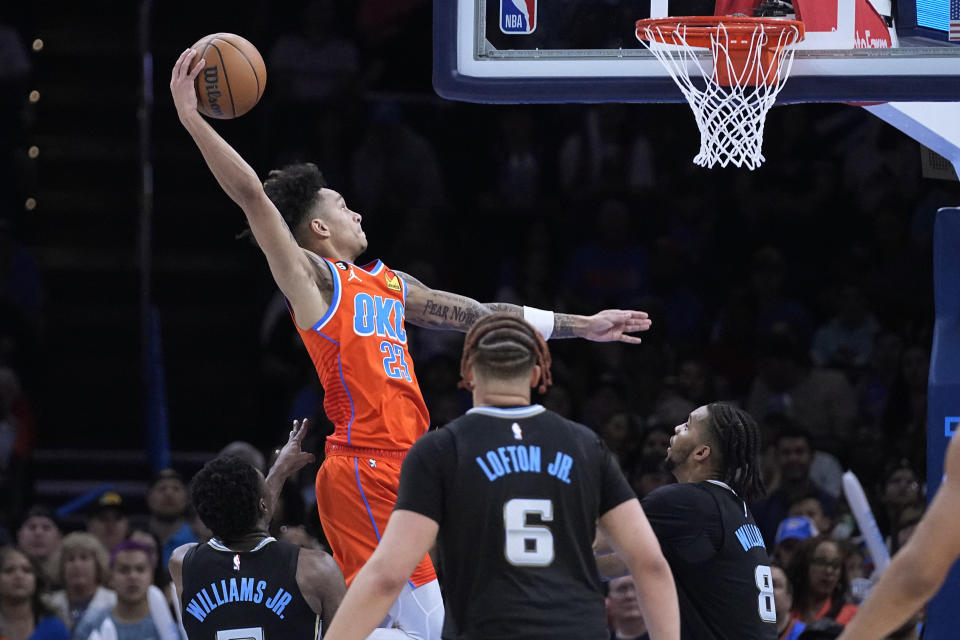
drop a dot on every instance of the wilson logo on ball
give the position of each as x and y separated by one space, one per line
211 80
233 76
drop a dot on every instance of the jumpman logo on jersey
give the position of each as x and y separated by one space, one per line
353 276
517 433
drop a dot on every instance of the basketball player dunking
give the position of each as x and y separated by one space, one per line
351 319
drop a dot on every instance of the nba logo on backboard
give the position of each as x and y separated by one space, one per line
950 426
518 16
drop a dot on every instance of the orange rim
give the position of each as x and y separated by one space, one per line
699 30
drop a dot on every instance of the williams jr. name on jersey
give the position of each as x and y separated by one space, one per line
233 590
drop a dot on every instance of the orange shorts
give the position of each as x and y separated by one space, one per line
355 497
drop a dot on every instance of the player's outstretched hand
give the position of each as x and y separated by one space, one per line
290 458
614 325
181 83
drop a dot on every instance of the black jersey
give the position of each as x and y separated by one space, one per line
253 595
718 560
517 493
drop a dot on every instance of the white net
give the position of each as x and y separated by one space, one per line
730 118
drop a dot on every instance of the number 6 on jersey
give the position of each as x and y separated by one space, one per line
528 545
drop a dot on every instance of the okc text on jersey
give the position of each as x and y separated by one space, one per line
518 16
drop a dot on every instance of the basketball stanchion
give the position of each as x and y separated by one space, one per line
752 58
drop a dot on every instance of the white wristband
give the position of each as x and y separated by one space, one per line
541 320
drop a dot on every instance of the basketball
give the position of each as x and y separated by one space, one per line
233 76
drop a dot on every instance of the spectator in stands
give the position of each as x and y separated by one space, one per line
648 474
395 167
168 504
809 505
609 266
82 568
788 628
793 455
162 598
622 432
846 340
905 526
820 584
607 153
130 618
820 399
873 387
772 305
905 418
315 63
108 521
656 440
899 489
790 535
23 613
246 452
39 537
623 610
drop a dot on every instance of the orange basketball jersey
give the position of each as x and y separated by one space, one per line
359 348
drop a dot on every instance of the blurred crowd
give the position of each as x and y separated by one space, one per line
801 291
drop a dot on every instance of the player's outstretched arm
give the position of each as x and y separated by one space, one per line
290 459
920 567
408 537
435 309
291 268
627 529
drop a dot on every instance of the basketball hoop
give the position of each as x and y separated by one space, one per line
752 60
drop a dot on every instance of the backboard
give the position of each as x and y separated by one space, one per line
586 51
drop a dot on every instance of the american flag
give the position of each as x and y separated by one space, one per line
955 20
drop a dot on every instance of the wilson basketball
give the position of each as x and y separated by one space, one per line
233 75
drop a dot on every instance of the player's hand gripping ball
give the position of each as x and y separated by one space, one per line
233 77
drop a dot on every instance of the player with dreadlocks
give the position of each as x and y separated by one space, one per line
511 493
707 534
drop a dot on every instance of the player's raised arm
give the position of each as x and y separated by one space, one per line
291 268
290 459
626 527
435 309
920 567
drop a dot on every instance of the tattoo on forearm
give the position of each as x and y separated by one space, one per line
505 307
448 311
563 326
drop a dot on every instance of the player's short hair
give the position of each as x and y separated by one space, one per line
294 189
505 346
738 441
226 493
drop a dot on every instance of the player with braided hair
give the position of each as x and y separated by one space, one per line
502 345
709 537
511 493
